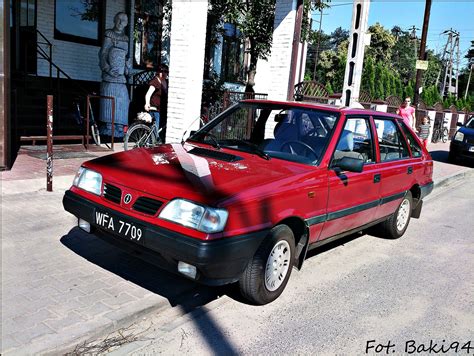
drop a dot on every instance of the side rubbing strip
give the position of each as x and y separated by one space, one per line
353 210
392 198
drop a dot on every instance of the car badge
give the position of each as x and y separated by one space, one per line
127 198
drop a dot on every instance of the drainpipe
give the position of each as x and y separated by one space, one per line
294 51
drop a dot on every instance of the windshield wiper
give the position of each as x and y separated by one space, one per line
254 148
215 141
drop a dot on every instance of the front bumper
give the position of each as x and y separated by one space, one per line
218 261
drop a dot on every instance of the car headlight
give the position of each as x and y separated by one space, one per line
201 218
459 136
88 180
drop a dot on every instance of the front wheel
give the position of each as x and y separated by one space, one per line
396 225
139 135
269 270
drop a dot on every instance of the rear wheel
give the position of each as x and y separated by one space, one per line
267 273
139 135
396 225
95 134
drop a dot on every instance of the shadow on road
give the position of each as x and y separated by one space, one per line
442 156
190 297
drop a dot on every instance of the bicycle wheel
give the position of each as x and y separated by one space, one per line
445 135
139 135
435 137
95 134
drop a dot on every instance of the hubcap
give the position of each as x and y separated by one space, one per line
403 214
277 265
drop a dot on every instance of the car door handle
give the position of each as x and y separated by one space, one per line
410 170
377 177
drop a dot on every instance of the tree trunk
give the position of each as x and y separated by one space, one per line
252 70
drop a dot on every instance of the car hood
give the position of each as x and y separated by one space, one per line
466 131
192 172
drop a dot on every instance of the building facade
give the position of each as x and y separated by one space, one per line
52 47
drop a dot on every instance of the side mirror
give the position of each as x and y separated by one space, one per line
459 124
350 164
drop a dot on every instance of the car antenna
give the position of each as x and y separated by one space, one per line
186 131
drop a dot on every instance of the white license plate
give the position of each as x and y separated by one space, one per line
471 149
118 226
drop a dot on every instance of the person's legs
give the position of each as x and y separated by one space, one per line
156 116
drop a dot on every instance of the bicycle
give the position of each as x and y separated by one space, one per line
440 134
92 123
142 133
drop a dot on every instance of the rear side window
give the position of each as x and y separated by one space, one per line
416 150
391 142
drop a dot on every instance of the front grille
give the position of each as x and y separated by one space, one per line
112 193
470 140
147 205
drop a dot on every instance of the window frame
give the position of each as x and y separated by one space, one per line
406 132
58 35
374 137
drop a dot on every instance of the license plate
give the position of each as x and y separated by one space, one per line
118 226
471 149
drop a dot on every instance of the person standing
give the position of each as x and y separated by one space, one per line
407 112
424 131
155 97
114 63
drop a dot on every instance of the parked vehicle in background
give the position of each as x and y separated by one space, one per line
246 196
462 144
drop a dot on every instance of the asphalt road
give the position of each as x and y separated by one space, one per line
364 293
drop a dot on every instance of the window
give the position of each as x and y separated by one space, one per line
79 21
147 33
416 150
232 54
356 141
391 142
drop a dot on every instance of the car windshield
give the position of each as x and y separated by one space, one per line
470 123
282 131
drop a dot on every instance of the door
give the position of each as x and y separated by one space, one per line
397 168
23 35
353 197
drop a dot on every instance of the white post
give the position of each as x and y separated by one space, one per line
188 40
355 53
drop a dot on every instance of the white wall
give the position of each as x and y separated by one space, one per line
188 40
79 61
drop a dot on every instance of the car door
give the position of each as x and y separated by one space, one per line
396 166
353 197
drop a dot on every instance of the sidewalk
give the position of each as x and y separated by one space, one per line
61 286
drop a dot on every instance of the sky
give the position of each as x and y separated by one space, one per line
458 15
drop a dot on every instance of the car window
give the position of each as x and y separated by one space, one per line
416 150
355 141
391 142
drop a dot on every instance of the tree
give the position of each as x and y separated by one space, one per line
381 43
255 20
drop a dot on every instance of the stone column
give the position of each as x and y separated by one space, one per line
188 39
273 75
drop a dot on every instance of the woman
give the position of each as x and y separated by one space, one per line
407 112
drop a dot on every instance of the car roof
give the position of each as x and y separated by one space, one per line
311 105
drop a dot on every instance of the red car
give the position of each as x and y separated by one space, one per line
245 197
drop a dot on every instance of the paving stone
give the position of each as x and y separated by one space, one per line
28 335
92 298
8 342
29 320
121 299
94 310
70 319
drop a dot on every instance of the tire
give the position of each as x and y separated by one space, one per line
451 157
445 136
136 137
95 134
269 270
395 226
435 137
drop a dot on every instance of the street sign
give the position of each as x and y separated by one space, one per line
421 65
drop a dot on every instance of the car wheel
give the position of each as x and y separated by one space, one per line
451 157
267 273
396 225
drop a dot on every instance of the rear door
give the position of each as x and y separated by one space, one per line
397 167
353 197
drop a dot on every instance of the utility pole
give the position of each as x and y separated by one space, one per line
424 34
458 60
413 30
443 57
448 62
468 81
